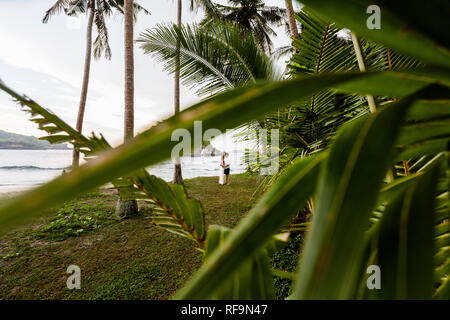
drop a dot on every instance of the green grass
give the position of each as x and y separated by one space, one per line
130 259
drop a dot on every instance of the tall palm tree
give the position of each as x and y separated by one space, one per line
98 11
253 15
177 174
128 207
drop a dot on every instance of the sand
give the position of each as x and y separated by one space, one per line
10 193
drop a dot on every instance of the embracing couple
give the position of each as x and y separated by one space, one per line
224 177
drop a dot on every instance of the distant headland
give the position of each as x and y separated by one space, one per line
15 141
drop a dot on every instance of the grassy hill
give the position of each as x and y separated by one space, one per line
17 141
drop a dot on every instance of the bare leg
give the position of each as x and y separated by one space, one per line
228 179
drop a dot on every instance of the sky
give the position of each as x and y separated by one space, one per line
45 62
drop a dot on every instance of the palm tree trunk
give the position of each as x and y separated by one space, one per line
363 68
177 175
371 100
291 19
85 85
126 207
129 71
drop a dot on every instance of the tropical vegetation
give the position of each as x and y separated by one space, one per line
364 116
98 11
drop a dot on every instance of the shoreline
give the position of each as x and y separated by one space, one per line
4 194
11 193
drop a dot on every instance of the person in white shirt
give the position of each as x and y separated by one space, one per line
225 169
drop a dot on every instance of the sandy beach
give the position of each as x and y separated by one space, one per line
10 193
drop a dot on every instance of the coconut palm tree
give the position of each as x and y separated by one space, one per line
98 11
291 19
128 207
177 174
253 15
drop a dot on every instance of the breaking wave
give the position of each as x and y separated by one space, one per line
28 168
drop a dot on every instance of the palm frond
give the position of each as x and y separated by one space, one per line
101 43
253 15
240 60
173 209
76 7
320 49
381 58
103 9
118 5
208 6
59 6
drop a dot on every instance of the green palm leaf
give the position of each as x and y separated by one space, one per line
240 60
420 38
362 149
173 208
405 239
251 280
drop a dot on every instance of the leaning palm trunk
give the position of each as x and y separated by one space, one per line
177 175
128 207
291 19
84 88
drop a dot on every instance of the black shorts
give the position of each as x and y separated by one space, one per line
226 171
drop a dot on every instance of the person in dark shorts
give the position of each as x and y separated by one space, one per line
225 164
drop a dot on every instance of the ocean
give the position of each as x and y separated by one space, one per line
24 169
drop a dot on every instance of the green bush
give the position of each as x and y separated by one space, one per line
286 259
75 219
